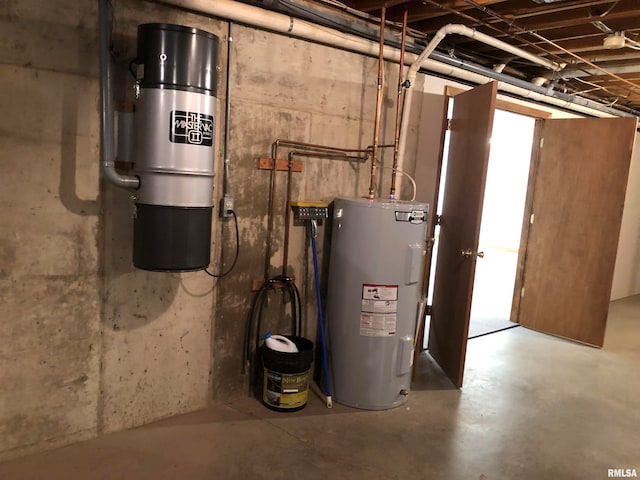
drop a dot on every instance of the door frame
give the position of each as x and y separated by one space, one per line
501 104
540 115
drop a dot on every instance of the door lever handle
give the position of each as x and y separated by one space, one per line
468 253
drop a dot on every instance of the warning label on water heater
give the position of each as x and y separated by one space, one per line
378 316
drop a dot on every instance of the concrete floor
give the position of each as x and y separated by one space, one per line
532 407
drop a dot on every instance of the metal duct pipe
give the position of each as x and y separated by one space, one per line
107 156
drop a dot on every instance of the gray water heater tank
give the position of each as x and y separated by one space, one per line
177 71
375 280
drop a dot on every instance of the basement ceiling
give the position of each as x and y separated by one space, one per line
598 40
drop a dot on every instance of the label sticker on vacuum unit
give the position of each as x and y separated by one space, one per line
191 128
378 315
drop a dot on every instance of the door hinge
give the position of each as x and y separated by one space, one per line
438 219
532 218
522 292
448 124
429 310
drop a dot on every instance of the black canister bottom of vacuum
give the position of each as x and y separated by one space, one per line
171 239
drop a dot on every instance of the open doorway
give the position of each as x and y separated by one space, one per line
501 225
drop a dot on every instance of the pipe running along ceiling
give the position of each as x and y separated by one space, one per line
360 42
598 40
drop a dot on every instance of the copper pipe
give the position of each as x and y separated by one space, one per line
376 125
309 150
336 156
287 216
272 200
399 106
307 146
287 228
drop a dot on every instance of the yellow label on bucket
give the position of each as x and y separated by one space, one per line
285 390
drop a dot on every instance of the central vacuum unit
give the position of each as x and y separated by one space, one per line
375 276
177 72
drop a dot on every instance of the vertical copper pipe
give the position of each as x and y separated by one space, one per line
376 125
399 106
272 200
285 255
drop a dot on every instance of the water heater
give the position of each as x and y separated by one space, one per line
375 277
177 72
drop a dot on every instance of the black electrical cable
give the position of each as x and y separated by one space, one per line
131 70
258 298
235 258
254 320
299 304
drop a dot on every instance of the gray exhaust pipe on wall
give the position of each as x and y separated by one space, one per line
107 152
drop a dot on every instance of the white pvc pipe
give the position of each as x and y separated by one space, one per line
431 46
449 70
276 22
587 72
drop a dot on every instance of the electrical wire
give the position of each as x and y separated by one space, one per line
131 70
602 15
235 258
411 179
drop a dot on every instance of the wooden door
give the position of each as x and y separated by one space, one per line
471 126
577 210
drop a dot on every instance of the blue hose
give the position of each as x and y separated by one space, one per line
325 364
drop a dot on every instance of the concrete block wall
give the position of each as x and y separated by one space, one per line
90 344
